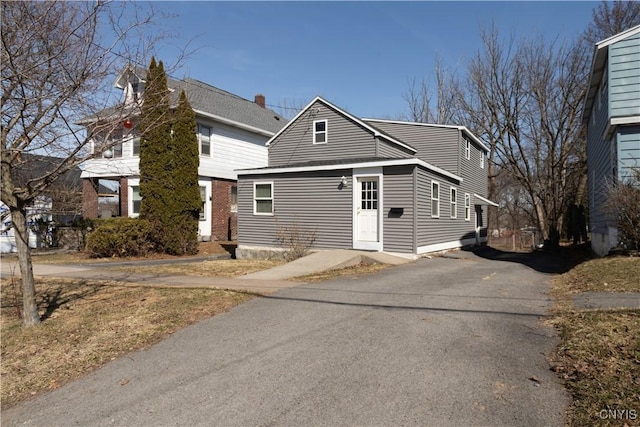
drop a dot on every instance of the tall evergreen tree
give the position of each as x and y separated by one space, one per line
169 161
155 140
186 202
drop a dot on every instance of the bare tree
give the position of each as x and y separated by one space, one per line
525 97
623 204
57 59
427 107
610 18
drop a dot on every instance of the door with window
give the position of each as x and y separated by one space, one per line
366 227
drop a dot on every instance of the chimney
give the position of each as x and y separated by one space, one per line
260 100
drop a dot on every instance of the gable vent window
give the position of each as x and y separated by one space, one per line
204 136
320 132
467 149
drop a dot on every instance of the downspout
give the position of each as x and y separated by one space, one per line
415 209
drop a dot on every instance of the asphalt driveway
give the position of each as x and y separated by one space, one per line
434 343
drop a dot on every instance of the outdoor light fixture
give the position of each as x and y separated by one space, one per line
128 124
107 154
343 180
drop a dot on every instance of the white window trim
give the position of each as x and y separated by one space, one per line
467 149
203 215
200 138
436 199
255 204
453 202
467 207
481 160
132 183
326 131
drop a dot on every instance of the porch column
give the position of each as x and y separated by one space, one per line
90 198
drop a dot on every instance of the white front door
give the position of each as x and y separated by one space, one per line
367 219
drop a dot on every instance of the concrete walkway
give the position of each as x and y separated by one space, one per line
607 300
264 282
318 262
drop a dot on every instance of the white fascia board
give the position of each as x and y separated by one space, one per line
461 128
292 121
234 123
394 162
617 37
629 120
616 121
487 201
353 118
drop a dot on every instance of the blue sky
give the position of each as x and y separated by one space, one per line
358 55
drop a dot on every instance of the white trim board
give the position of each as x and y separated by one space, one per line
371 164
446 245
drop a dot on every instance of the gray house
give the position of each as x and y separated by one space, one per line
379 185
612 114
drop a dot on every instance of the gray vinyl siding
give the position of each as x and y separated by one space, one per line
628 150
345 139
390 150
624 77
599 159
475 178
432 231
435 145
311 201
398 191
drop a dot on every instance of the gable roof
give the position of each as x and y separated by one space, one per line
463 129
224 106
29 167
210 101
376 132
600 54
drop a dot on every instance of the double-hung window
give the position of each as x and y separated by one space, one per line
135 199
454 202
467 206
204 137
263 198
320 132
435 199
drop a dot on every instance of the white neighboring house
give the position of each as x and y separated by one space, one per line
58 206
232 133
41 209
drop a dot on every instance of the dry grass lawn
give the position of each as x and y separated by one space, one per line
87 324
599 356
215 268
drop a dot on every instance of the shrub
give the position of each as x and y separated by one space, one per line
120 237
296 240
